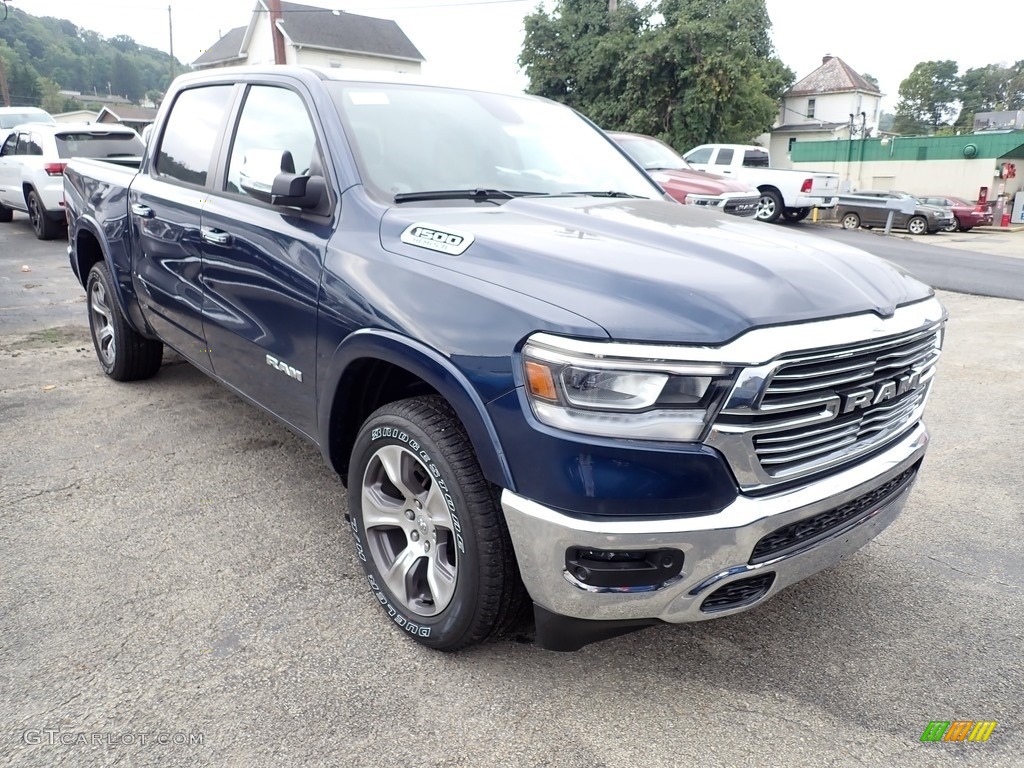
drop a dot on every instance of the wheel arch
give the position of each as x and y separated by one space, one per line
371 368
89 247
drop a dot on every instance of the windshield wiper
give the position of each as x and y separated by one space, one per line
457 194
598 193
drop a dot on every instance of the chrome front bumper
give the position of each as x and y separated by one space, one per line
716 547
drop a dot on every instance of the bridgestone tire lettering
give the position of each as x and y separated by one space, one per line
488 595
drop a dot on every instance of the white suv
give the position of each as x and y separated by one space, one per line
32 161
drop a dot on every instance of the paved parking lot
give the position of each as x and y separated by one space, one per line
177 569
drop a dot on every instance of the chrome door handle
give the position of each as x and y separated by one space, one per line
142 210
215 236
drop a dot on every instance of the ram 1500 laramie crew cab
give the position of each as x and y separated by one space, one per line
539 378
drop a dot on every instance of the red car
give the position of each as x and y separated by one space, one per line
966 215
682 182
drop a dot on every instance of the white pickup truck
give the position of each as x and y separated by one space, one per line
789 194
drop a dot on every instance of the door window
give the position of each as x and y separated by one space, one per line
192 131
699 156
273 119
33 145
9 145
724 157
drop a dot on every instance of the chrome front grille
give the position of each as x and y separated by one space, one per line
809 411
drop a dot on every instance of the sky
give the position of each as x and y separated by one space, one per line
477 42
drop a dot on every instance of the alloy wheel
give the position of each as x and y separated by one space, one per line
409 528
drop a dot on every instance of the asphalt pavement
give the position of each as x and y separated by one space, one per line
179 589
983 264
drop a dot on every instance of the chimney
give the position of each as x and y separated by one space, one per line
274 7
826 58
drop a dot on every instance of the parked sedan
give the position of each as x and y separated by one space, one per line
32 161
925 218
683 183
966 216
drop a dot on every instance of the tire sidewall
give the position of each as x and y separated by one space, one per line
447 627
35 208
98 274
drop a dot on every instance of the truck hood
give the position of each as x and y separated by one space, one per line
648 270
698 183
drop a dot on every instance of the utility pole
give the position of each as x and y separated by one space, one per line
274 6
3 84
170 34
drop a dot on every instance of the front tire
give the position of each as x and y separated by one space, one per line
954 227
769 207
123 353
44 227
851 221
917 225
427 527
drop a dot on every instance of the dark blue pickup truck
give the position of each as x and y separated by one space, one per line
539 378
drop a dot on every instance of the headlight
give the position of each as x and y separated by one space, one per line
579 388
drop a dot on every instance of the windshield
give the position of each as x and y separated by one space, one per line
652 154
11 119
99 145
410 138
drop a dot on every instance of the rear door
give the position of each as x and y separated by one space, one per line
11 155
262 263
873 215
164 203
723 160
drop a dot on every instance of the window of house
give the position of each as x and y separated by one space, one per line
792 141
272 119
810 107
192 132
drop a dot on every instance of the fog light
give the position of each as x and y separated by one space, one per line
625 569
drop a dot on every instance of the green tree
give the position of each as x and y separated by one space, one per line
992 88
52 100
871 79
576 54
928 97
76 59
705 71
124 78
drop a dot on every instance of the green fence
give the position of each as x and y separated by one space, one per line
969 146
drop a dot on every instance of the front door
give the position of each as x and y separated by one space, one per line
262 265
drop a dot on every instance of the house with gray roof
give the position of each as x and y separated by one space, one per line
818 108
317 37
136 118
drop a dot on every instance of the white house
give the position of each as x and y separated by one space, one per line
76 116
316 37
819 108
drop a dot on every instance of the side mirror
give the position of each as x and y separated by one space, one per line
300 191
269 175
